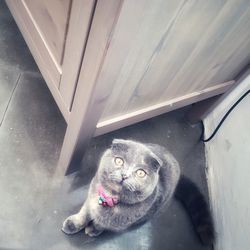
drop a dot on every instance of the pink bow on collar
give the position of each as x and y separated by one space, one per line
104 199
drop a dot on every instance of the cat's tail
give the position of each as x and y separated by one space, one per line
194 202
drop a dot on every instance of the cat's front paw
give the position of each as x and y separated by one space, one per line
91 231
72 225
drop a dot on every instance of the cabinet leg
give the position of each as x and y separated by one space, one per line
92 90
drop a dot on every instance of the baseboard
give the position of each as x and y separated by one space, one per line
160 108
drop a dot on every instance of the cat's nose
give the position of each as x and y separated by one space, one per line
124 176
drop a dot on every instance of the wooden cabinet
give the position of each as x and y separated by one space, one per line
111 63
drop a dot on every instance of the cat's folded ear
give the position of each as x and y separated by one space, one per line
154 161
119 145
119 141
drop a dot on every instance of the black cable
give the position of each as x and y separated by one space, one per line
222 120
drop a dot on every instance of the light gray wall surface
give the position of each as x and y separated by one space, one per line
228 160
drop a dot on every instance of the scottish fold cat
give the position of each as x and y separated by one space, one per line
133 182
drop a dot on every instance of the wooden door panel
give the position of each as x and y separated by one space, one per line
56 33
45 60
51 18
179 49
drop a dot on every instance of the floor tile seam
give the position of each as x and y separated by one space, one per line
10 99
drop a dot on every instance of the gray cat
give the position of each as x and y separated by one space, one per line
133 182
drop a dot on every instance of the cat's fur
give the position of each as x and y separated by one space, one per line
139 198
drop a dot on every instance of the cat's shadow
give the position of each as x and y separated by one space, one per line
81 239
88 165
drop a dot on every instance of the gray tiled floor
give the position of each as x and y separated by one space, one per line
31 135
13 52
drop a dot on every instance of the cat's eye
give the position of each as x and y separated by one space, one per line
119 161
140 173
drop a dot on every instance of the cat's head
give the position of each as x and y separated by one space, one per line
130 167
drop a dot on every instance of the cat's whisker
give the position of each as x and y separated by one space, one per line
115 176
130 186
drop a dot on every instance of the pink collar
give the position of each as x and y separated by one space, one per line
104 199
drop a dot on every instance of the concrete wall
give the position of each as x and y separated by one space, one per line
228 159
